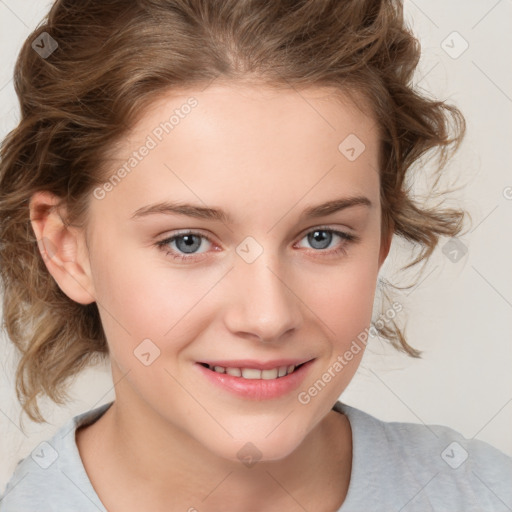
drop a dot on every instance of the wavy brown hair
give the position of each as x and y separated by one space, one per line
114 58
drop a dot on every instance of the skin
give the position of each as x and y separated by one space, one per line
263 156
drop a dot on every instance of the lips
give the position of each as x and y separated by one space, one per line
250 369
255 379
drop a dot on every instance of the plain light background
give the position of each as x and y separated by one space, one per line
459 314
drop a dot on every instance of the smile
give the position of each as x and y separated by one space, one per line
255 381
255 373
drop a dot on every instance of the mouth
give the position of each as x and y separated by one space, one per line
252 373
254 380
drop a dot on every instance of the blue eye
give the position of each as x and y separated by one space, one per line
187 243
318 239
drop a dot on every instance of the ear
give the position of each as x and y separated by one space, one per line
385 243
62 247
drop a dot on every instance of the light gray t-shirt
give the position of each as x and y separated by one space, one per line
396 467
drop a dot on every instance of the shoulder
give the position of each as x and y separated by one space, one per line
52 476
428 467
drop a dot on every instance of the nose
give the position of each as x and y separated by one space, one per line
262 305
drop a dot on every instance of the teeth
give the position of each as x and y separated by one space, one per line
251 373
269 374
282 371
234 371
254 373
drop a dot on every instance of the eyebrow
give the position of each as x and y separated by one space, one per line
217 214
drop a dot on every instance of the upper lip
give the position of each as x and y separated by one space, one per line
259 365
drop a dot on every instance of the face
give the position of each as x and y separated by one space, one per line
272 282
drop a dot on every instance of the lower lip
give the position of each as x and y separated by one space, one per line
257 389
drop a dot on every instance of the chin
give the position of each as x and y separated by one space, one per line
251 449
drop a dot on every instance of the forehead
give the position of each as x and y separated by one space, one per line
264 109
241 143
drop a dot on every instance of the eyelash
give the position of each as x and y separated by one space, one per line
347 237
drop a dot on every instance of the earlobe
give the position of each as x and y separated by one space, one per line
62 247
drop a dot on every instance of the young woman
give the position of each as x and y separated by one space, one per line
204 192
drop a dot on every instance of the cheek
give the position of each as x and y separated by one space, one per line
343 297
343 301
141 298
127 297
